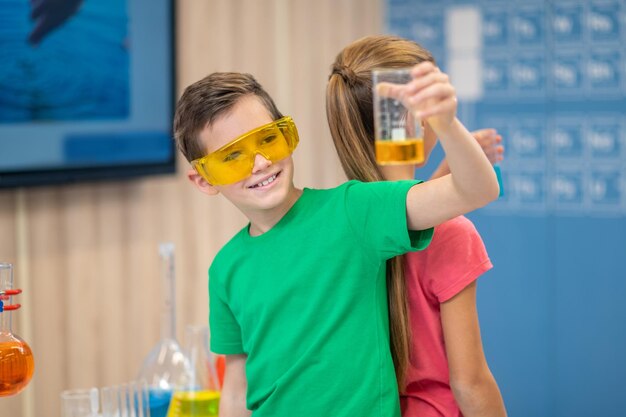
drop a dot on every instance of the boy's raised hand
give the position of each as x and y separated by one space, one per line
430 96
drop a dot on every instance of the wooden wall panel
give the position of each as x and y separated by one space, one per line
7 226
111 261
48 297
91 250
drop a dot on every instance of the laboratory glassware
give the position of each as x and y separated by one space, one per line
125 400
398 133
165 368
79 403
201 395
16 358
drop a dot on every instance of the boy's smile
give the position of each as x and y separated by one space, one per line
264 183
265 175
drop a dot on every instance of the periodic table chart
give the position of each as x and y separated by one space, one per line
550 76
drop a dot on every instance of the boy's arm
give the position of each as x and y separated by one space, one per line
472 182
233 396
491 143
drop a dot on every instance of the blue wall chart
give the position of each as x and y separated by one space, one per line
550 76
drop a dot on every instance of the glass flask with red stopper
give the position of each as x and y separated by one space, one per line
16 358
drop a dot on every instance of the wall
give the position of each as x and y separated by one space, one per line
550 75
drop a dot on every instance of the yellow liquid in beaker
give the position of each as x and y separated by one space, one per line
408 151
194 404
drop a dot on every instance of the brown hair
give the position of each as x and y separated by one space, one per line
349 109
204 101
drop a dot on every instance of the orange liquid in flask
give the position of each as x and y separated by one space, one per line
16 359
16 364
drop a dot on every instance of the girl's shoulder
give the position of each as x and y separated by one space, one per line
457 228
455 240
455 257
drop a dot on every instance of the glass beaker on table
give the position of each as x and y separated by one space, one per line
124 400
80 403
200 396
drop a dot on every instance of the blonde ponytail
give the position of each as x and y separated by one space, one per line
349 110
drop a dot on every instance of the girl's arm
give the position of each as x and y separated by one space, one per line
233 396
491 143
474 387
472 182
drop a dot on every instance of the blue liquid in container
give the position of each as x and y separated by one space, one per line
499 176
159 401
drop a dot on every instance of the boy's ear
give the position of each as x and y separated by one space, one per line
200 183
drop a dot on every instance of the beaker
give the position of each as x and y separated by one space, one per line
165 368
79 403
16 358
398 137
201 396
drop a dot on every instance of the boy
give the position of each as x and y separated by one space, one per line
298 296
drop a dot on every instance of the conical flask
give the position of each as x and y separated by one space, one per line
16 358
201 396
165 368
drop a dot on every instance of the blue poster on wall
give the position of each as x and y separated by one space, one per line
550 77
86 61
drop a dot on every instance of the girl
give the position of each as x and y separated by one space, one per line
446 373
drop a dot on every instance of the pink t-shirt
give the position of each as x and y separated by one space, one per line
455 258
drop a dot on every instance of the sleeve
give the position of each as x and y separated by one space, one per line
456 258
225 330
377 214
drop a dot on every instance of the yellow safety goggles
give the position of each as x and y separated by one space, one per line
234 161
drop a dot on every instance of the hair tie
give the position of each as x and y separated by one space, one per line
346 73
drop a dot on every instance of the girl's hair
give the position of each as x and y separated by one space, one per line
350 113
204 101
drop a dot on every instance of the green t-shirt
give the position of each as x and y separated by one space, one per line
307 302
